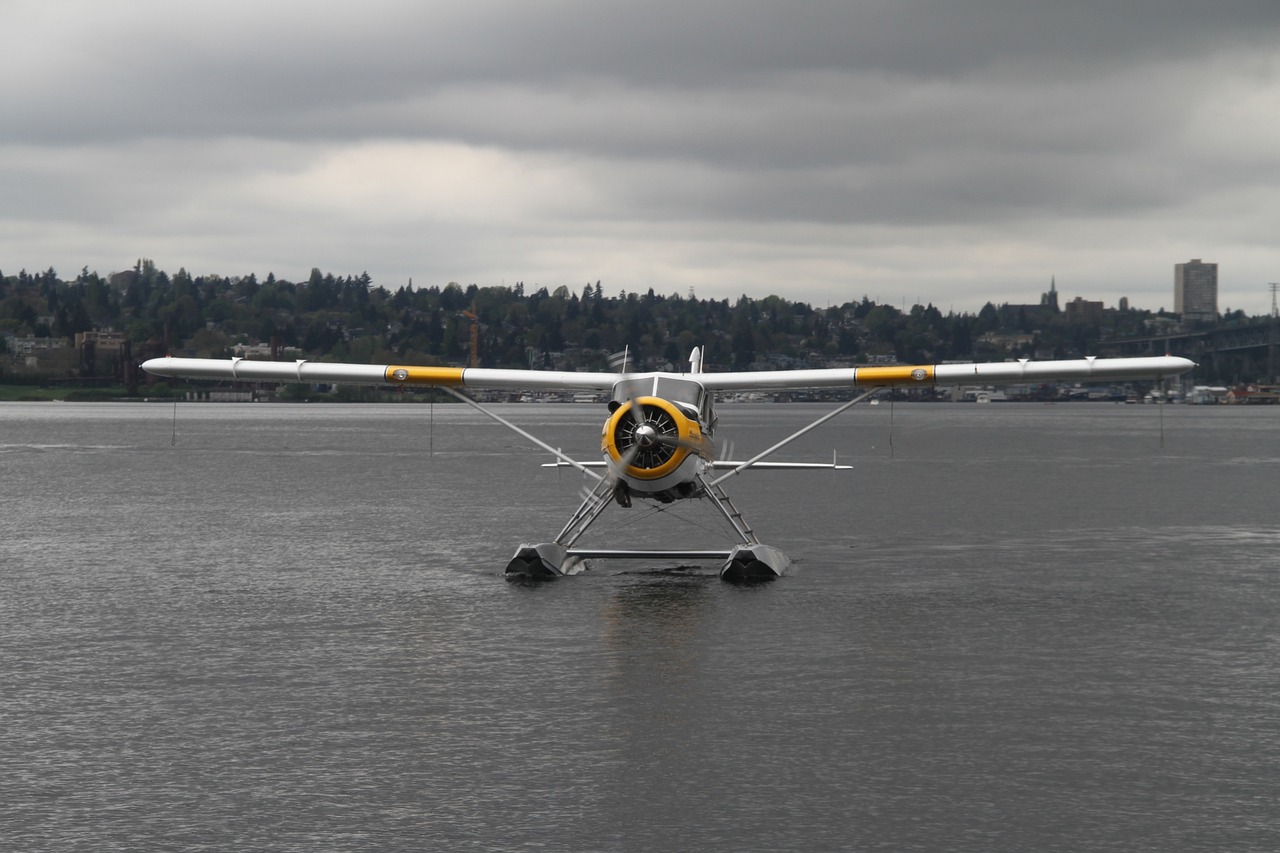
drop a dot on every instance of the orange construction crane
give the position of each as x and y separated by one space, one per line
470 314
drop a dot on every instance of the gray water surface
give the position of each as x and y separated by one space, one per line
1010 627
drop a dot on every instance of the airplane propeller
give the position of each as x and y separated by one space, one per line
652 437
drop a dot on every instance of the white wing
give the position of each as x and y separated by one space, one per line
240 369
993 373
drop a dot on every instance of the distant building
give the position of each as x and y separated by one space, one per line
1080 310
105 339
35 353
102 353
272 351
1195 290
1008 339
1050 300
29 345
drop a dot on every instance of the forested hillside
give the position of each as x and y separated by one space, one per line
352 318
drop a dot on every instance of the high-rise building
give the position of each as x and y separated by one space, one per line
1195 290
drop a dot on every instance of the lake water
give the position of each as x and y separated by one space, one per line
1009 627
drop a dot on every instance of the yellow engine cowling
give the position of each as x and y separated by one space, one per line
648 439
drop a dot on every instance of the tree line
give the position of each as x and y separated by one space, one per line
351 318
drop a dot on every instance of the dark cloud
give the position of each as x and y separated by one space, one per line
528 135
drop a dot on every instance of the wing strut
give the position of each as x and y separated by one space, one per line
781 444
509 425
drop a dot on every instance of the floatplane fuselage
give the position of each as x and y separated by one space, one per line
657 443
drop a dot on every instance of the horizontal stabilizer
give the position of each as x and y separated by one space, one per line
726 463
729 463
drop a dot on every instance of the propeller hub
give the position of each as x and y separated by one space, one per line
646 435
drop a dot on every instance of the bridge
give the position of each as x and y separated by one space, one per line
1240 340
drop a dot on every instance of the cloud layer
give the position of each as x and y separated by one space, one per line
919 150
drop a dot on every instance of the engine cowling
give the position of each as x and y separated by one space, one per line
649 438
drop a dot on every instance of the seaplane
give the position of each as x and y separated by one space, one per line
658 440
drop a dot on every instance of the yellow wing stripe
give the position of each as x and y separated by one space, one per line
403 374
906 374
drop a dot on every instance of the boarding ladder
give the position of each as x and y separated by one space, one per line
720 498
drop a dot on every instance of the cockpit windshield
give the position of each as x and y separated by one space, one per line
667 387
690 395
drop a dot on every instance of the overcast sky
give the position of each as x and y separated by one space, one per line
908 150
